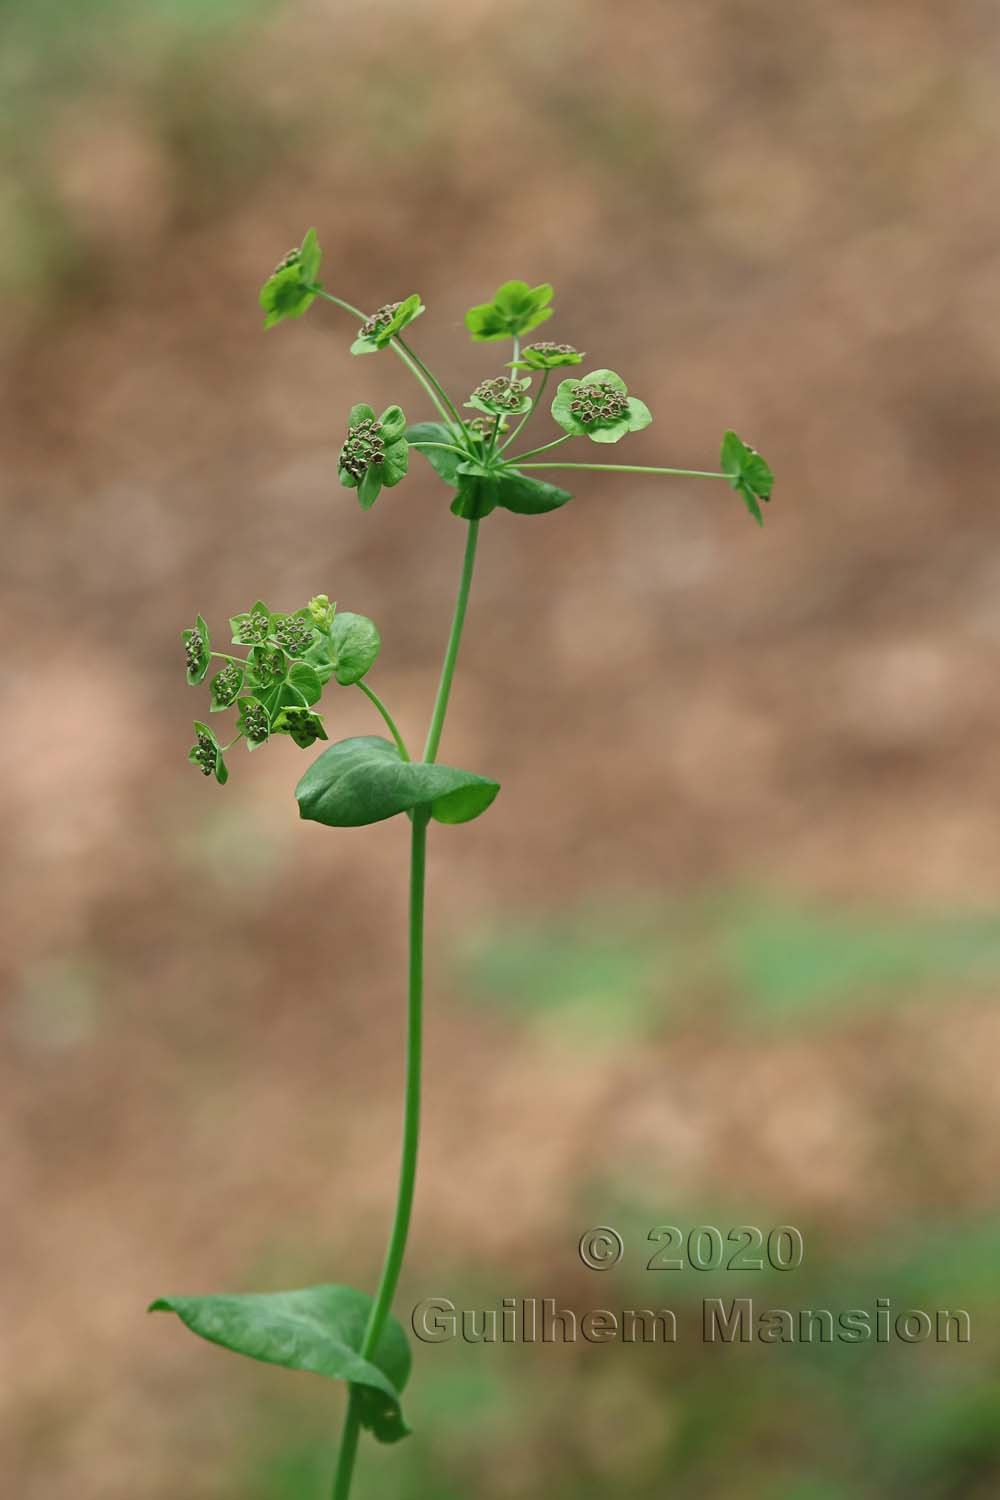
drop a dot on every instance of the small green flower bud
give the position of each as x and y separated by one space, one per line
321 611
500 395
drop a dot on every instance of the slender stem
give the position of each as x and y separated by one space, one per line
529 413
387 716
339 302
448 447
544 448
626 469
419 366
454 641
415 366
396 1249
348 1451
223 657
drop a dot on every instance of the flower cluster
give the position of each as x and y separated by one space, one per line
501 396
547 356
599 407
385 323
291 288
375 452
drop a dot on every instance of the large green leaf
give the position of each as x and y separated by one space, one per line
365 780
318 1328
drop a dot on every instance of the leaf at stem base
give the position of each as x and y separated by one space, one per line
317 1328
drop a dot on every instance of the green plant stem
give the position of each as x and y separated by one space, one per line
529 413
448 447
396 1249
543 449
413 364
348 1450
421 370
454 641
626 469
387 716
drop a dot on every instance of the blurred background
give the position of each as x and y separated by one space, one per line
726 950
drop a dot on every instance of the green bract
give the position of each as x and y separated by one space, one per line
254 722
748 473
516 308
197 651
226 686
385 323
364 780
206 754
290 289
546 356
252 627
375 452
293 633
501 397
304 727
599 407
319 1329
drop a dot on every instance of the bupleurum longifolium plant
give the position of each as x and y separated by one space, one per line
274 679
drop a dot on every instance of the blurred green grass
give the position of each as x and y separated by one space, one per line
767 961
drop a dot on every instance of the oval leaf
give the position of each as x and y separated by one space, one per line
364 780
355 645
318 1328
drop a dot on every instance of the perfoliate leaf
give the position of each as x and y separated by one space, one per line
319 1329
365 780
515 308
354 645
748 473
